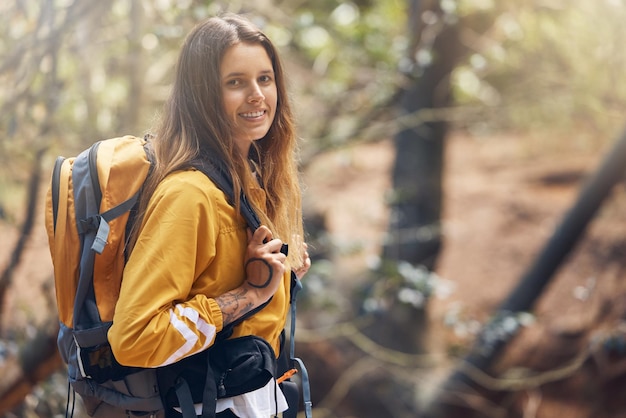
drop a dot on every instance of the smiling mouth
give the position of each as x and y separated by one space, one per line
253 115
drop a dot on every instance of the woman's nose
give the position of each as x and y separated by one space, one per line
256 95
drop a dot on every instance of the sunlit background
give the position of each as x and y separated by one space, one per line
532 97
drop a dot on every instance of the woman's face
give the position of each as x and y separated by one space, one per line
249 92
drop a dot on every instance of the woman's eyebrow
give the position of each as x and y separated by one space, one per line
241 73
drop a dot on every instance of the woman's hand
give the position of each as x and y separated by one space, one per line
265 269
265 264
306 262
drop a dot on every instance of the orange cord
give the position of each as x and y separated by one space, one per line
287 375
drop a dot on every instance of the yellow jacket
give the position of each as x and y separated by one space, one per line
190 249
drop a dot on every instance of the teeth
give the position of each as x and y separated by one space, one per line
253 114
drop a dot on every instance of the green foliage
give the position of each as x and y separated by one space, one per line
79 71
550 67
350 51
91 69
401 282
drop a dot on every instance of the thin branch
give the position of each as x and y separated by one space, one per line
523 379
368 132
32 205
346 381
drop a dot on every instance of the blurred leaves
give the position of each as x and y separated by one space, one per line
550 66
90 69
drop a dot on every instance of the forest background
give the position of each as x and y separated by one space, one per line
491 116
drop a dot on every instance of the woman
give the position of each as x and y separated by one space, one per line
195 267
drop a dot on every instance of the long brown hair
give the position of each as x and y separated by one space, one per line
194 122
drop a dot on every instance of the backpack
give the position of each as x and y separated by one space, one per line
89 213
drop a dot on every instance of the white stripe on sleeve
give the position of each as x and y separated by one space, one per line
191 338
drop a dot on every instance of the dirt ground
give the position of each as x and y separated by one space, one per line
503 198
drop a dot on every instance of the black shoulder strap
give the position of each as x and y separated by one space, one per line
220 176
222 179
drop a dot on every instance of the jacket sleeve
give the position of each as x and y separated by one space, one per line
156 322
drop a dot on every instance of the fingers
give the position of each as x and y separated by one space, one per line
260 236
306 262
264 262
264 237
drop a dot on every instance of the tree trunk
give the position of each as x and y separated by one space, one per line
414 233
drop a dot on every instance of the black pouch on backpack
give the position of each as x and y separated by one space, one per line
237 366
242 365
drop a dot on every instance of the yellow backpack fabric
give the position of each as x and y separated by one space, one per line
122 167
87 208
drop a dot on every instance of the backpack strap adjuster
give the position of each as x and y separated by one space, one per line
88 224
95 223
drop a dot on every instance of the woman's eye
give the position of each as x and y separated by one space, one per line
265 79
233 82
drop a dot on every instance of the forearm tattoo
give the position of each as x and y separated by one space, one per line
233 305
269 277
